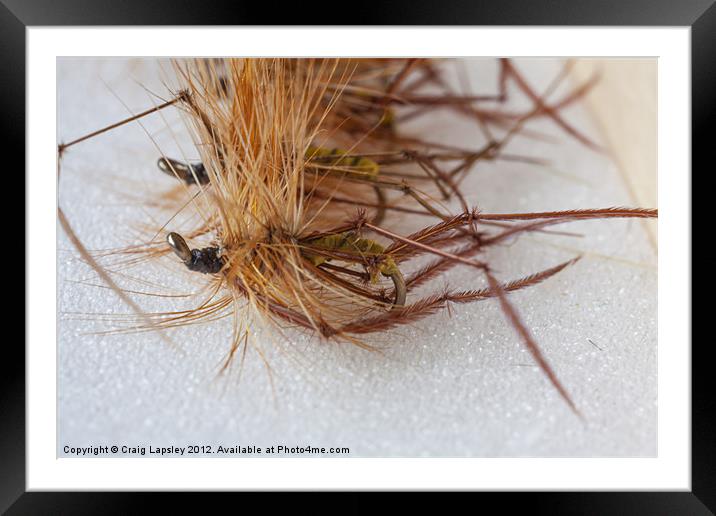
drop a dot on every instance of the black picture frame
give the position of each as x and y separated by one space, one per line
17 15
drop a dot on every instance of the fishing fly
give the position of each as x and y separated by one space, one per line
303 172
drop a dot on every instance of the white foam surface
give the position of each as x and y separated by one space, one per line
455 384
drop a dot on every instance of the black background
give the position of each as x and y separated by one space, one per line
16 15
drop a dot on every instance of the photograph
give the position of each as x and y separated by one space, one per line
356 257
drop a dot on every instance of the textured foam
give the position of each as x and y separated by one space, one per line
455 384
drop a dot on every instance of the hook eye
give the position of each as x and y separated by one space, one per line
174 168
179 246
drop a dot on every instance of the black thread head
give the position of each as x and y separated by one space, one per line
207 260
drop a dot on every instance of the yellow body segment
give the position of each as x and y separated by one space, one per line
344 162
349 242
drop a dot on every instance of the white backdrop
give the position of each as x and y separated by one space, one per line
458 384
